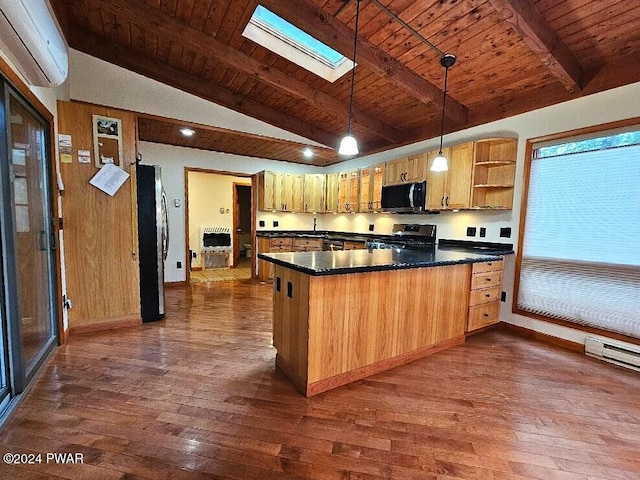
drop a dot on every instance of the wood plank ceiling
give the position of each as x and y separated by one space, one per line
513 56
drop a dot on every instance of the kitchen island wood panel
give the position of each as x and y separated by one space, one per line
331 330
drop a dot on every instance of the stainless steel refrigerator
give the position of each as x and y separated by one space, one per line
153 241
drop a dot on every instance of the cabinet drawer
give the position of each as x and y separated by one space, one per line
481 267
307 242
485 280
310 248
278 242
483 315
280 248
353 245
484 295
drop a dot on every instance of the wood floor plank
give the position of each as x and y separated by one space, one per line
197 396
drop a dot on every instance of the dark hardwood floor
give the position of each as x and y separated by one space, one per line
196 396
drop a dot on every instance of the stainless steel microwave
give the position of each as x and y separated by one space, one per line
405 198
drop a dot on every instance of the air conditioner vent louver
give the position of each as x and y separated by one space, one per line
621 353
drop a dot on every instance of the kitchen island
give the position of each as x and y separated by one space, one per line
342 316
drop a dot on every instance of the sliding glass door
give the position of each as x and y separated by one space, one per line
27 235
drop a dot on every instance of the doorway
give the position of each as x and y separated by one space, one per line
242 215
28 309
217 204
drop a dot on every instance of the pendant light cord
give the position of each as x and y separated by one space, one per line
444 101
353 70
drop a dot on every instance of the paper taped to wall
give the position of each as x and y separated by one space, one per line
109 178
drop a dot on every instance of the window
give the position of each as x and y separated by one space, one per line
290 42
580 252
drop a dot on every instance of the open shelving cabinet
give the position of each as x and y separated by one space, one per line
494 171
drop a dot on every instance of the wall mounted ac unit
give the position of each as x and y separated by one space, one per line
620 353
30 38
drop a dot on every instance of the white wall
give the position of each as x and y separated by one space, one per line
97 81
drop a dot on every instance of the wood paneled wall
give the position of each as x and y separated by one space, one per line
101 237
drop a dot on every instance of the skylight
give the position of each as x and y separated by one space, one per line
288 41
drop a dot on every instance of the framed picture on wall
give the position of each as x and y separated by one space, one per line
107 140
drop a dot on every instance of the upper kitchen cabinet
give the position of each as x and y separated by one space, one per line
314 193
451 189
494 171
292 193
348 191
371 180
406 170
267 191
331 194
283 192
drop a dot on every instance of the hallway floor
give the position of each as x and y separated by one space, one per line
197 396
241 272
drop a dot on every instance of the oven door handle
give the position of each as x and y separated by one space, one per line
411 189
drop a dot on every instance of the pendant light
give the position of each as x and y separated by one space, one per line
348 144
440 162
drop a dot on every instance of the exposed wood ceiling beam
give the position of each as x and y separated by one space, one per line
152 19
310 18
542 40
126 58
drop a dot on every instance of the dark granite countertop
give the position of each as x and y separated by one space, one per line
355 261
354 237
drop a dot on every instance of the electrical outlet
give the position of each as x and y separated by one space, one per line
483 232
275 223
371 227
503 296
261 223
194 254
471 231
505 232
178 264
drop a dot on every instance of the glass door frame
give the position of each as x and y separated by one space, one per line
19 377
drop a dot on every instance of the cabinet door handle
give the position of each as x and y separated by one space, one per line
278 284
487 295
442 202
485 314
290 290
447 201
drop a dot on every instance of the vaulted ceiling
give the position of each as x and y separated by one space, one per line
513 56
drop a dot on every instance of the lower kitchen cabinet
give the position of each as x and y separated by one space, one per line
351 245
307 244
484 298
271 245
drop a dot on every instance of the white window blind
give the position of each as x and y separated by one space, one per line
581 245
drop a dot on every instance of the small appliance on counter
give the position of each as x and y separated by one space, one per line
153 240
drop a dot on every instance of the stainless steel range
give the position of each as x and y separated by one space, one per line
407 235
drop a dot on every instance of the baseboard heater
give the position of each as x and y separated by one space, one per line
621 353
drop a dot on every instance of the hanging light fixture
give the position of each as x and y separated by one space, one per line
348 144
440 162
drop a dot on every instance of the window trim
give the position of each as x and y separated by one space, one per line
528 158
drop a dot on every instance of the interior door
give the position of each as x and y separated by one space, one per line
28 239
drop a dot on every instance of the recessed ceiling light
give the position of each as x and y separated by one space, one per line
307 152
187 132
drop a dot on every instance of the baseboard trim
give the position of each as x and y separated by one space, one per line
180 283
196 269
115 323
544 337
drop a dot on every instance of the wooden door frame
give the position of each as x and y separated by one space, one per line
186 208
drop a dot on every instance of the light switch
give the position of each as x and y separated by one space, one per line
176 202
